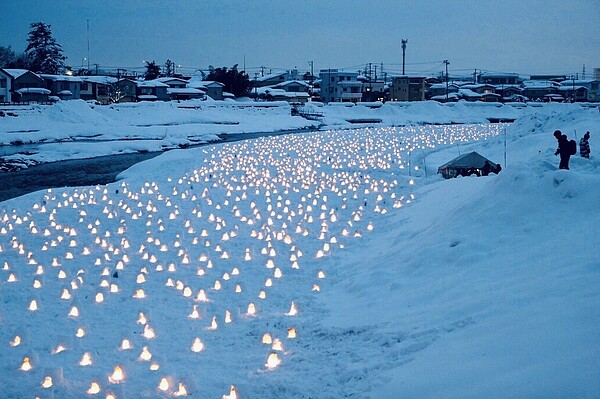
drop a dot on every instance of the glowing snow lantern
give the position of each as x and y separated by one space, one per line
145 355
273 361
262 294
139 294
74 312
26 365
197 346
213 324
154 366
80 332
117 376
291 333
33 306
293 310
148 332
16 341
232 394
125 344
201 296
164 384
99 297
181 391
251 310
86 359
47 383
58 349
227 317
238 288
94 389
195 313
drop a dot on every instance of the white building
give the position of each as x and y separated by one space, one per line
340 86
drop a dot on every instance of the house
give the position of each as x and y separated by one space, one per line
124 91
214 89
185 93
13 80
152 90
468 95
293 86
271 79
480 88
438 90
592 86
408 88
500 78
340 86
272 94
96 88
373 89
537 89
573 93
64 87
175 83
468 164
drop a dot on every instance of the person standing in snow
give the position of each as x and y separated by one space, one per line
563 149
584 145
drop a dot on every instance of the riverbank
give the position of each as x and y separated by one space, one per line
93 171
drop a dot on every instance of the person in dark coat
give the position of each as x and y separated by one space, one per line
584 145
562 150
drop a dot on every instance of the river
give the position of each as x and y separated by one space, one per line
90 171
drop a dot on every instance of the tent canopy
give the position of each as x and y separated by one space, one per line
465 162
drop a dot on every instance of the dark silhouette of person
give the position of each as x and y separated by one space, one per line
487 168
562 150
584 145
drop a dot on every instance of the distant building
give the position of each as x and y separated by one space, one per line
14 82
500 78
64 87
340 86
96 88
591 86
408 88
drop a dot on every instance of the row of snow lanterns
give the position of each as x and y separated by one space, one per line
272 362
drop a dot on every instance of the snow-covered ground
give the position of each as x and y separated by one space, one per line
323 265
76 129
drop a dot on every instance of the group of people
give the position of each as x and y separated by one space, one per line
565 148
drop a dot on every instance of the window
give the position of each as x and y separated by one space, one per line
84 87
2 83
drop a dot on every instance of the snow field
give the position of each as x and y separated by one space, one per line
319 265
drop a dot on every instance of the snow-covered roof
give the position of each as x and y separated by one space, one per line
570 88
539 84
107 80
212 83
228 95
16 73
147 97
290 82
467 160
271 76
65 93
33 90
196 84
151 83
61 78
171 79
474 86
184 90
468 93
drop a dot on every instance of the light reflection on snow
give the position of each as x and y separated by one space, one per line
267 216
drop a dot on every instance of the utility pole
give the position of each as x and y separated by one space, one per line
404 41
88 44
475 76
446 63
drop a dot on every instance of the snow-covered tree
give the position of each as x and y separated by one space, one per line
43 52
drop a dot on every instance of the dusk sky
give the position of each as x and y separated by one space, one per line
524 36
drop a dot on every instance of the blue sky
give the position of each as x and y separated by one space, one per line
525 36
